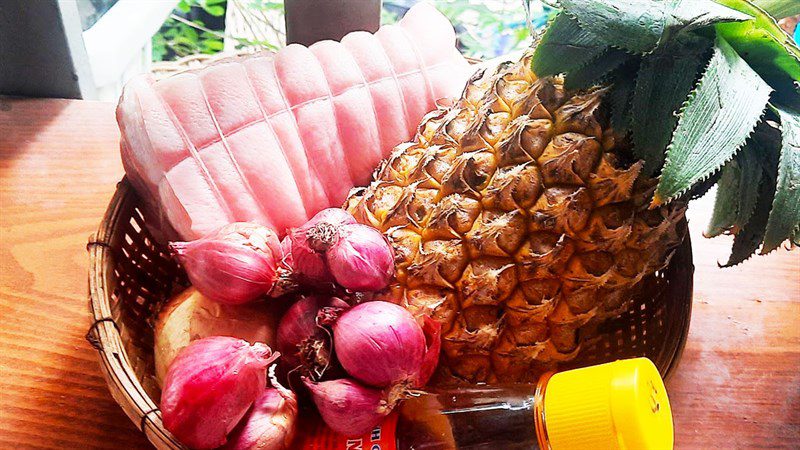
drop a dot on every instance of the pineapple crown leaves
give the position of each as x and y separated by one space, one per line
662 84
779 8
640 26
565 47
620 97
767 49
734 204
784 220
702 123
710 94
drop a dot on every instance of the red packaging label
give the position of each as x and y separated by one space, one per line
320 437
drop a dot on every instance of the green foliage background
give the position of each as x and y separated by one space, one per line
179 37
485 29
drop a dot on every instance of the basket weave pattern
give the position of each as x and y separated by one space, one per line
131 276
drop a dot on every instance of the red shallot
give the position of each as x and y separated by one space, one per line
304 261
380 344
270 425
350 408
210 386
332 247
235 265
301 262
301 341
361 259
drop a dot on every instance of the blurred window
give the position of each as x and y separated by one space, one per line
91 11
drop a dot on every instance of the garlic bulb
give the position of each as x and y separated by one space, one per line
190 316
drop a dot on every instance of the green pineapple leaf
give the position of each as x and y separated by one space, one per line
665 79
749 236
701 189
747 240
564 47
639 26
596 69
779 8
784 218
635 25
750 178
766 48
619 98
715 121
726 203
737 192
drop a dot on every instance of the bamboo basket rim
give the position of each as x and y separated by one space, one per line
104 334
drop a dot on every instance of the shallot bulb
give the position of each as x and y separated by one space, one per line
332 247
361 259
235 265
210 386
301 341
350 408
381 344
301 262
270 425
306 263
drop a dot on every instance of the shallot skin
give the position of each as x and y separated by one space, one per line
235 265
270 425
253 235
333 216
210 386
348 407
380 344
298 327
361 259
302 260
432 329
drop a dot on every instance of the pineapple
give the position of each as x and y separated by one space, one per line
517 217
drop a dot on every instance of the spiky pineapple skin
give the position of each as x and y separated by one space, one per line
516 221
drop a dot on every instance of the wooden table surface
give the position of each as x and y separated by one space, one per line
738 385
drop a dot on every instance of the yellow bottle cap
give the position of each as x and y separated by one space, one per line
620 405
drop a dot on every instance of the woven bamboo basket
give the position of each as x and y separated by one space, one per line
131 276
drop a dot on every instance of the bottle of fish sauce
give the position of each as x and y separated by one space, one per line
621 405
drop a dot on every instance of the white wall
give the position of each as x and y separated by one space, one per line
119 44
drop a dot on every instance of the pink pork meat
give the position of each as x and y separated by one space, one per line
274 138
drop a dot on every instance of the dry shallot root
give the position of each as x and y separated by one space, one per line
304 344
332 247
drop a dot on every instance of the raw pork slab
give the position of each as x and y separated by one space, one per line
274 138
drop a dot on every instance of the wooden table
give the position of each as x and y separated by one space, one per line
738 385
